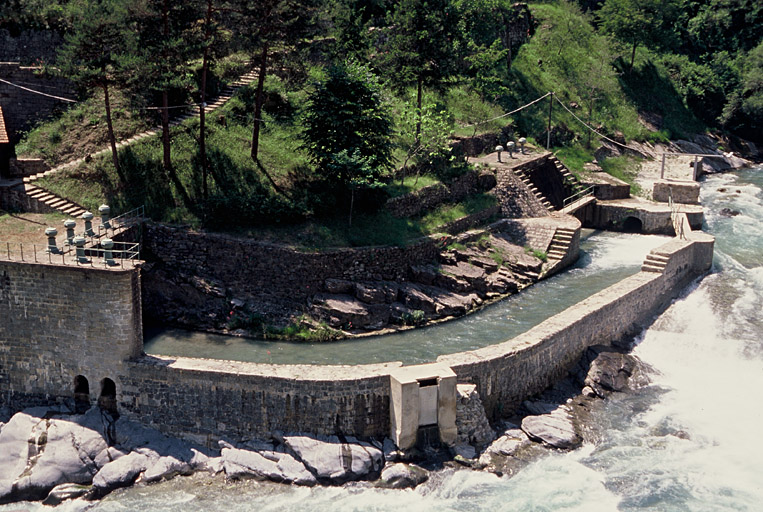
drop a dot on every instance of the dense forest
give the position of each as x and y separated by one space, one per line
351 93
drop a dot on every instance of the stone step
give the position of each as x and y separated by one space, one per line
69 209
57 204
658 257
652 268
562 237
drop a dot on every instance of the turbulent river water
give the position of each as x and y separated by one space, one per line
688 441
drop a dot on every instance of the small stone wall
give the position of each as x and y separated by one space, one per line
14 199
606 186
429 197
23 108
22 167
684 192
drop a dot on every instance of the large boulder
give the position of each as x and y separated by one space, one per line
402 476
603 370
274 466
119 473
334 461
555 429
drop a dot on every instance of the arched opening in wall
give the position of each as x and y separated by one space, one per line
632 225
81 394
108 399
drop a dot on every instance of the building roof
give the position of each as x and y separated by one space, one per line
3 134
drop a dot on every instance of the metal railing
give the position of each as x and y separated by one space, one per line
122 222
579 195
123 254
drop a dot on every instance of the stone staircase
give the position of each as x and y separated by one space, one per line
52 201
560 243
522 175
568 178
655 262
48 200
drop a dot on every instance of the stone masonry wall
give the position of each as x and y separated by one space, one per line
207 400
429 197
510 372
268 276
29 46
23 108
57 322
14 199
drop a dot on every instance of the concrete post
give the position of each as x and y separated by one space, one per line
51 234
69 225
79 242
108 257
88 218
522 141
499 149
104 210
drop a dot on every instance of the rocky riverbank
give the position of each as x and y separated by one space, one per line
53 455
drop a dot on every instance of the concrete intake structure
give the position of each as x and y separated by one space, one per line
62 327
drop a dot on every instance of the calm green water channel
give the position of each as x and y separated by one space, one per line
605 259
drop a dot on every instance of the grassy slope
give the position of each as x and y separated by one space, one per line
563 56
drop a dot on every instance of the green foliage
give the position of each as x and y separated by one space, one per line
347 127
640 22
541 255
422 47
624 168
415 317
424 133
744 110
574 158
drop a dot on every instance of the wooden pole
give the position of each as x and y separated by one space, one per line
550 107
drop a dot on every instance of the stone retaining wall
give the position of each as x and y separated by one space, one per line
15 199
429 197
57 322
207 400
21 167
23 108
510 372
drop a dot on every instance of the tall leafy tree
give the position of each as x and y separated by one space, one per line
94 52
348 128
423 43
640 22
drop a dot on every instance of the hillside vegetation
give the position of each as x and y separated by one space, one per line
422 72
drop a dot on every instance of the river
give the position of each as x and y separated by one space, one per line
688 441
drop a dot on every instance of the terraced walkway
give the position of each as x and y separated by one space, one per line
73 209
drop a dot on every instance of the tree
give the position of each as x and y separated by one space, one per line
348 129
93 54
166 45
424 134
423 45
267 26
745 107
639 22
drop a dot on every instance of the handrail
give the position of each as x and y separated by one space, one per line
579 195
122 253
